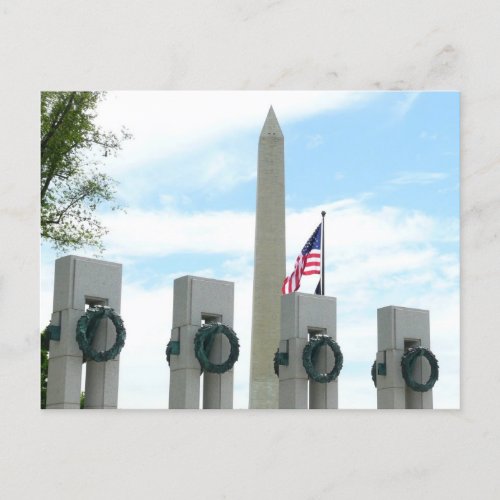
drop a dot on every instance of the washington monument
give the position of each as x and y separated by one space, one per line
269 264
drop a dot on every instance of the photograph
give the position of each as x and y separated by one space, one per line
250 250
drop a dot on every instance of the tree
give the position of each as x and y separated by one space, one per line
44 366
71 184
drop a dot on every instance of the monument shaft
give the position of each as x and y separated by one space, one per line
269 264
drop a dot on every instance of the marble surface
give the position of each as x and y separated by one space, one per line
250 45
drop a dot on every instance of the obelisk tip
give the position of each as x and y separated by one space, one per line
271 126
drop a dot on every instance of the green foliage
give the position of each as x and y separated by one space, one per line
71 186
44 367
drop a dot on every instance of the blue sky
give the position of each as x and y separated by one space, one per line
384 166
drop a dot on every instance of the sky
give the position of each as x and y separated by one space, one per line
383 165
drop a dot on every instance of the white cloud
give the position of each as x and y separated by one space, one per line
418 178
354 228
404 105
314 141
144 375
166 123
222 171
213 174
449 189
164 232
427 136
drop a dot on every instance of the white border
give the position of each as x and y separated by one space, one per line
249 45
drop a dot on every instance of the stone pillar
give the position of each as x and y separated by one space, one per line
197 301
322 396
218 388
304 315
400 328
80 281
269 264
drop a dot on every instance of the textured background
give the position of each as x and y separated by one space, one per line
249 45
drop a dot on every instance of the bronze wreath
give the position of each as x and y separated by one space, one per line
407 363
310 352
280 358
203 343
86 329
374 373
276 363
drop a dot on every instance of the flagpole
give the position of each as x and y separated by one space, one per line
323 213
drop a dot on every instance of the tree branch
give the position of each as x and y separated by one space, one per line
63 212
55 125
57 122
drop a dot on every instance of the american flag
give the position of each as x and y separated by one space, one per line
308 262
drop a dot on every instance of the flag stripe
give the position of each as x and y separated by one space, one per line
307 263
